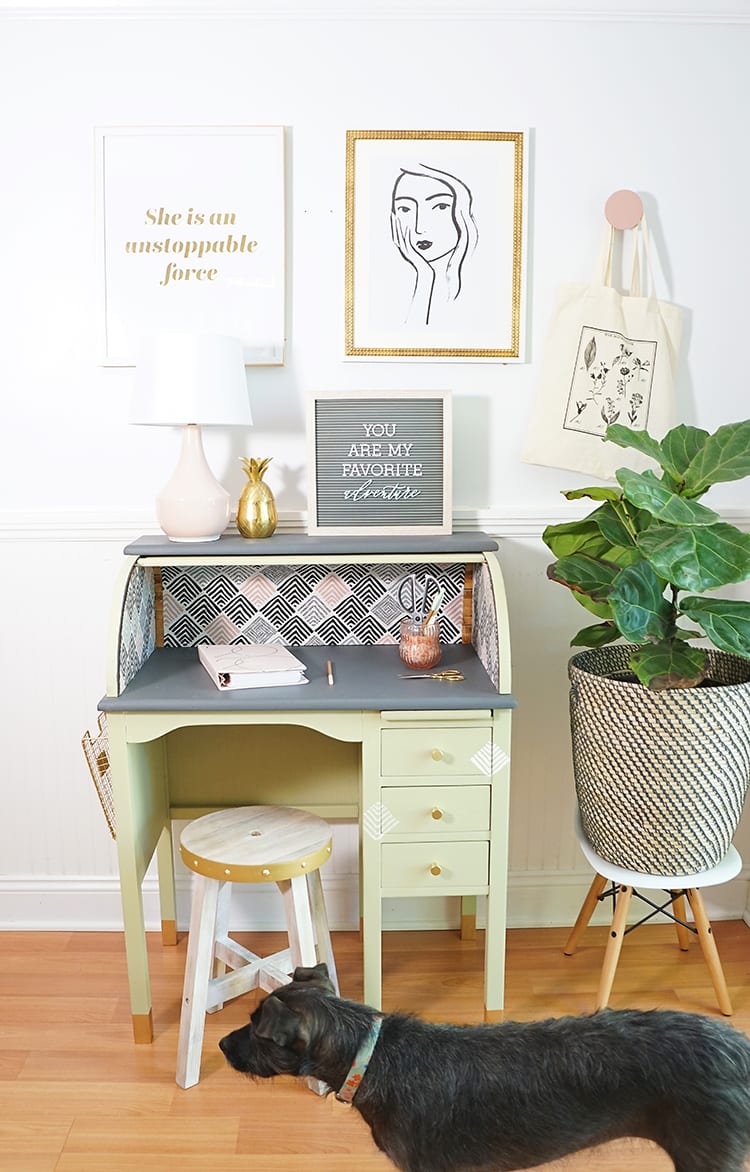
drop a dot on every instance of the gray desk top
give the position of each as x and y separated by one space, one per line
300 544
366 679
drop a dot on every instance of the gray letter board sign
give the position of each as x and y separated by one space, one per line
380 462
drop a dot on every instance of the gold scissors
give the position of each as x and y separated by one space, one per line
451 674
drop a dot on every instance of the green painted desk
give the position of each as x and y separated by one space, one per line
423 765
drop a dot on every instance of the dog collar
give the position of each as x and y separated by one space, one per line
359 1066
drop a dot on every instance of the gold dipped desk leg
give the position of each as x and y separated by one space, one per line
494 1016
168 932
468 917
143 1028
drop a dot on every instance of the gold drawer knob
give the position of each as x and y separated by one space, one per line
437 813
436 869
437 754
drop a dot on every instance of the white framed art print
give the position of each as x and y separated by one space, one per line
190 236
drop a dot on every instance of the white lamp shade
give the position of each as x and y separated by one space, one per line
191 378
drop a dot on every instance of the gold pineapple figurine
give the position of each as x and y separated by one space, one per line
256 512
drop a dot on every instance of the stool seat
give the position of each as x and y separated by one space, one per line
256 844
679 888
249 844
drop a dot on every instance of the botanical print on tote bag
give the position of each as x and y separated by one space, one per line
611 381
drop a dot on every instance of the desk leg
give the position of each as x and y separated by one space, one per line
142 815
135 951
494 956
167 895
372 927
468 917
143 1028
497 897
371 910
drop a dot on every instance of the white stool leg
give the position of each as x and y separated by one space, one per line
320 922
298 920
299 926
197 973
222 931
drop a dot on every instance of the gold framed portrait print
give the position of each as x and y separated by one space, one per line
435 244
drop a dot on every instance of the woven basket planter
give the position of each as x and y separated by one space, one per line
660 777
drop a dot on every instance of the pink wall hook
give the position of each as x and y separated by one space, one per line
624 209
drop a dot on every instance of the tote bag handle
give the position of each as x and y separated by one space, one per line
604 266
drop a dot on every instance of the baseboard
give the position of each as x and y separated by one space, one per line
535 900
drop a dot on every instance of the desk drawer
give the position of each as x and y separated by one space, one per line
432 866
439 809
433 752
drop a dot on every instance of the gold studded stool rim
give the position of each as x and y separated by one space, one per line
256 844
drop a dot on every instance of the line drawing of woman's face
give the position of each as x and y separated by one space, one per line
433 227
425 208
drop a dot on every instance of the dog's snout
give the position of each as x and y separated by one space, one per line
223 1044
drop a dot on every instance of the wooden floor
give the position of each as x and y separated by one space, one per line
76 1095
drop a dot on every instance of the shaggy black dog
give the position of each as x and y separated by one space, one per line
446 1098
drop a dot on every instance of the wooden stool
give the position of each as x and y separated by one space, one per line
252 844
677 887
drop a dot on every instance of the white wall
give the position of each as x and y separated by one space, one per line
656 102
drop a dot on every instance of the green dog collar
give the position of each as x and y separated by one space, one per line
359 1065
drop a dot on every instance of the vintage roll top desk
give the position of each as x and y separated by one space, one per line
423 765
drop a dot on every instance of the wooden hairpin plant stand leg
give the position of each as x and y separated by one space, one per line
710 951
680 918
614 945
587 910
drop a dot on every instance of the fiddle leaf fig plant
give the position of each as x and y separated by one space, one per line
641 560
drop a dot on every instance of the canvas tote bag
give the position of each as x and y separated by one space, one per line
610 357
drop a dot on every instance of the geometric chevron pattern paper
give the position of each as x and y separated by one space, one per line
484 624
138 630
329 605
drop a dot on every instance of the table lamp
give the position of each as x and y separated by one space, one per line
191 380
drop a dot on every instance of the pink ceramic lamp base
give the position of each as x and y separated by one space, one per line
193 506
